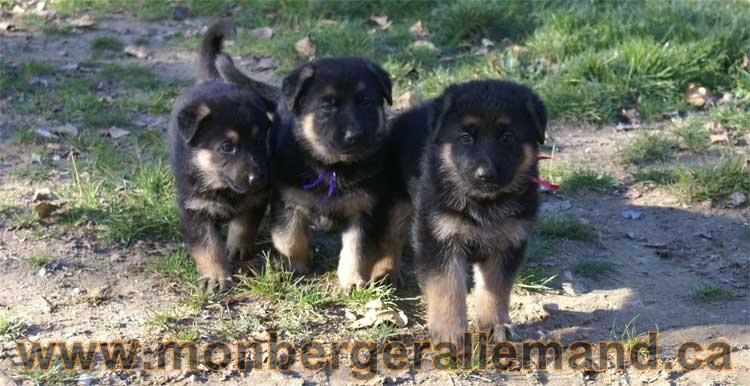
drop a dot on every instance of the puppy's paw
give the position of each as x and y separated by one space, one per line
504 331
454 336
215 277
237 252
349 281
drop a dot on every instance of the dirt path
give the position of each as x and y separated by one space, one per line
88 291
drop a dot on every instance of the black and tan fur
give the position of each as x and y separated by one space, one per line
466 158
330 118
217 142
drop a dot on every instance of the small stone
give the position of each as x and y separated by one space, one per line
137 51
631 214
425 45
262 32
305 47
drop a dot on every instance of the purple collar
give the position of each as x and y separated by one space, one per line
323 175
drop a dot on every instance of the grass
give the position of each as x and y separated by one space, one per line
534 279
564 227
10 327
55 375
39 259
657 175
714 182
710 293
647 147
594 269
103 44
539 247
693 136
576 181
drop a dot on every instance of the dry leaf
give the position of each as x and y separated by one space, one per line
425 45
698 96
66 129
5 26
376 314
716 138
44 133
407 100
418 30
305 47
262 32
85 21
714 127
737 198
45 209
42 194
381 21
116 132
137 51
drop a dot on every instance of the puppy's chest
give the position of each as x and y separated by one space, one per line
339 205
489 236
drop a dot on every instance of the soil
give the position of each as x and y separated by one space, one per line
672 246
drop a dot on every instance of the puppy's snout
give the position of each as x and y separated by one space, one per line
353 136
485 173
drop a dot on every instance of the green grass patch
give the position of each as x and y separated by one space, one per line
564 227
693 136
658 175
10 327
714 182
539 247
647 147
587 180
102 44
709 293
176 265
594 269
534 279
38 260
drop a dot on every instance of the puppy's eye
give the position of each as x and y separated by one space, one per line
227 147
466 138
507 138
329 104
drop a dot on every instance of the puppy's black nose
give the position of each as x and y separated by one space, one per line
485 173
351 137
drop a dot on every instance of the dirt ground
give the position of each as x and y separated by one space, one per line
658 257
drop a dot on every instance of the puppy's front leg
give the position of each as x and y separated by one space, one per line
443 285
206 247
242 231
493 280
353 268
290 235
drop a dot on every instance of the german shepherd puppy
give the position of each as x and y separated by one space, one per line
466 160
327 161
217 142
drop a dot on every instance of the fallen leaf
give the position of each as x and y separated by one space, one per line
305 47
42 194
698 96
66 129
262 32
714 127
407 100
116 132
425 45
5 26
631 214
737 198
632 116
44 133
716 138
85 21
137 51
45 209
381 21
418 30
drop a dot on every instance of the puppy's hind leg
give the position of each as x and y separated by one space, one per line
290 235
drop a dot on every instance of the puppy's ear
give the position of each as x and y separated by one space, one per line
189 120
441 106
384 79
294 84
538 114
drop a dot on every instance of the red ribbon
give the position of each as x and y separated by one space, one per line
542 182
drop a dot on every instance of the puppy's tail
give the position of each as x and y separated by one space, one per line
231 74
211 47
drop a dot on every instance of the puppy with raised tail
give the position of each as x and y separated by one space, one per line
218 154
